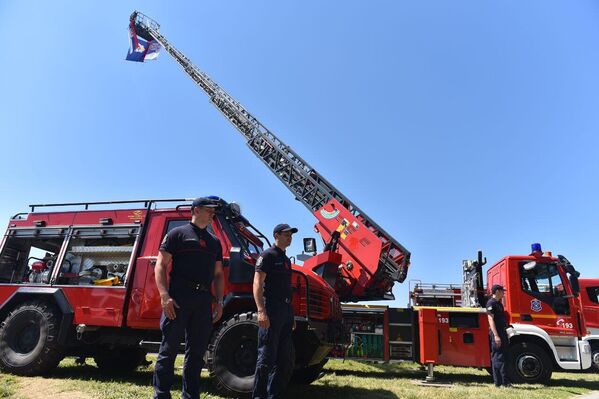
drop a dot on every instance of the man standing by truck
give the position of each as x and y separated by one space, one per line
272 293
498 334
196 255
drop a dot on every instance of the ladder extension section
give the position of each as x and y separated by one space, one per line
311 189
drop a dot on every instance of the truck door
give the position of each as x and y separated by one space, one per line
544 300
145 309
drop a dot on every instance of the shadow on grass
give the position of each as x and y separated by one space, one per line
467 379
143 378
386 372
337 392
383 374
563 382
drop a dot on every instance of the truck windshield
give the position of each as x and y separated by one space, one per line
544 279
238 231
545 283
248 245
251 247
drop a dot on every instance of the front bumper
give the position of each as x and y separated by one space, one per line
313 340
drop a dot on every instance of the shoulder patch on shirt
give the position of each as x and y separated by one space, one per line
490 308
259 261
164 239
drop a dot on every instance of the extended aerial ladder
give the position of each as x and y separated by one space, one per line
371 259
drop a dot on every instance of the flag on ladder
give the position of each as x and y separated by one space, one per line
141 50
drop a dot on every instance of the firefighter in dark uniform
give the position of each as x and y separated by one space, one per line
196 256
272 293
498 335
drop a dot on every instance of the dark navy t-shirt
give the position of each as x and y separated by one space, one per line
495 309
277 267
194 252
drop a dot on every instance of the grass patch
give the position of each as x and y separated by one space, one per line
342 380
8 385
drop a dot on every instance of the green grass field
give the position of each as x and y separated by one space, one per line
342 380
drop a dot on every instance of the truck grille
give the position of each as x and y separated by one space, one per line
320 304
323 304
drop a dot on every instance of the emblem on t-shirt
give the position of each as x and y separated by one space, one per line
536 305
259 261
164 239
202 243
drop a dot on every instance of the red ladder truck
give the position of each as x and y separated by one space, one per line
363 259
81 282
447 324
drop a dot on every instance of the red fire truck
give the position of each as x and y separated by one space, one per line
589 295
81 282
447 325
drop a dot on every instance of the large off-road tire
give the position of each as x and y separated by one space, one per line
308 375
29 339
119 360
231 355
528 363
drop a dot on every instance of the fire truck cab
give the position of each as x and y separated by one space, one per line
81 283
544 312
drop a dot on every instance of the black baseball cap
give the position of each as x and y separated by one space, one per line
283 227
204 201
497 287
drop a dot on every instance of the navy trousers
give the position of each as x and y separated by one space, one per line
499 356
274 364
194 323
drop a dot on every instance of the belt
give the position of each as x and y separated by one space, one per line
285 300
195 286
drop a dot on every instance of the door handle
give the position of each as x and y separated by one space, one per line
525 317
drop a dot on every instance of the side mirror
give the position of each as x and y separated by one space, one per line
530 265
310 245
235 209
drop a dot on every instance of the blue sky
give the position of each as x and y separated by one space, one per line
457 126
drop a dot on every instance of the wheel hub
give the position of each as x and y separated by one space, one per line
596 359
245 357
25 339
529 366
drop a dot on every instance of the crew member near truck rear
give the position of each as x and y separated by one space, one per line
498 335
272 293
196 256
